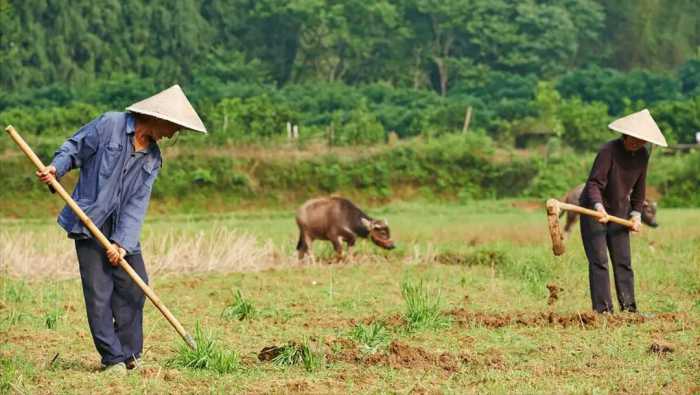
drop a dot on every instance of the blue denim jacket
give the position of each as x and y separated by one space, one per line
101 150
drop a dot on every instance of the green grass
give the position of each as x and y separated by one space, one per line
51 318
372 337
508 265
239 309
207 355
423 308
299 353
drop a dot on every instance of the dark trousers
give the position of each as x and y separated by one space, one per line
598 239
113 301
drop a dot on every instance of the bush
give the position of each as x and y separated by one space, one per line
585 125
616 89
679 189
357 127
250 119
679 120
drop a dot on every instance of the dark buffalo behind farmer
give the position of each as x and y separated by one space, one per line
338 220
574 197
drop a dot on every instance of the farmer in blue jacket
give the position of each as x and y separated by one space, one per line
119 159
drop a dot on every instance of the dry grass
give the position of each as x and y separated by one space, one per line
39 255
280 152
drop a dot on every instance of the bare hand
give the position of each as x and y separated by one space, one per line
115 254
604 218
47 174
636 224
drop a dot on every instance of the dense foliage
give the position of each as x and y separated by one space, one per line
346 68
533 73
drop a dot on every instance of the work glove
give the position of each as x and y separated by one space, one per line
599 208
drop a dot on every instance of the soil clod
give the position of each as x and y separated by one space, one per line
401 355
586 319
269 353
661 347
554 291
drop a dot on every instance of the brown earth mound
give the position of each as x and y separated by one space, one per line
584 319
553 293
398 356
401 355
392 321
343 350
269 353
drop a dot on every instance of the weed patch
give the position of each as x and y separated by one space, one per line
422 308
51 318
208 355
372 337
15 291
292 354
239 309
13 317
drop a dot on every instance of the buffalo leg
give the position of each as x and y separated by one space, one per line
303 245
338 247
350 241
571 219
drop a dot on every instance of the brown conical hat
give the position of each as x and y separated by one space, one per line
171 105
640 125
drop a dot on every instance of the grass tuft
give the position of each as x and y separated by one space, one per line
372 337
239 309
51 318
15 291
206 356
10 318
295 353
423 310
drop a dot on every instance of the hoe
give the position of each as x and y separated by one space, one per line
102 239
554 207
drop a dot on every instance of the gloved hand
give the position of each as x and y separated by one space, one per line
599 208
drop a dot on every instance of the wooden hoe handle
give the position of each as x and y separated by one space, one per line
102 239
592 213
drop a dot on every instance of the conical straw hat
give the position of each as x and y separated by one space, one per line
640 125
171 105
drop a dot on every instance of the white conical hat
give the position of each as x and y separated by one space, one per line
640 125
171 105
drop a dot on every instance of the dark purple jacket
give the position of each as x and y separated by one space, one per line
617 179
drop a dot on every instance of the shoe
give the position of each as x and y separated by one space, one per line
133 363
117 369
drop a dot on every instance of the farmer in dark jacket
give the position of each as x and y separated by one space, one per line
119 159
616 186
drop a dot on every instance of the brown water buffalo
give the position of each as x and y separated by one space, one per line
574 195
338 220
